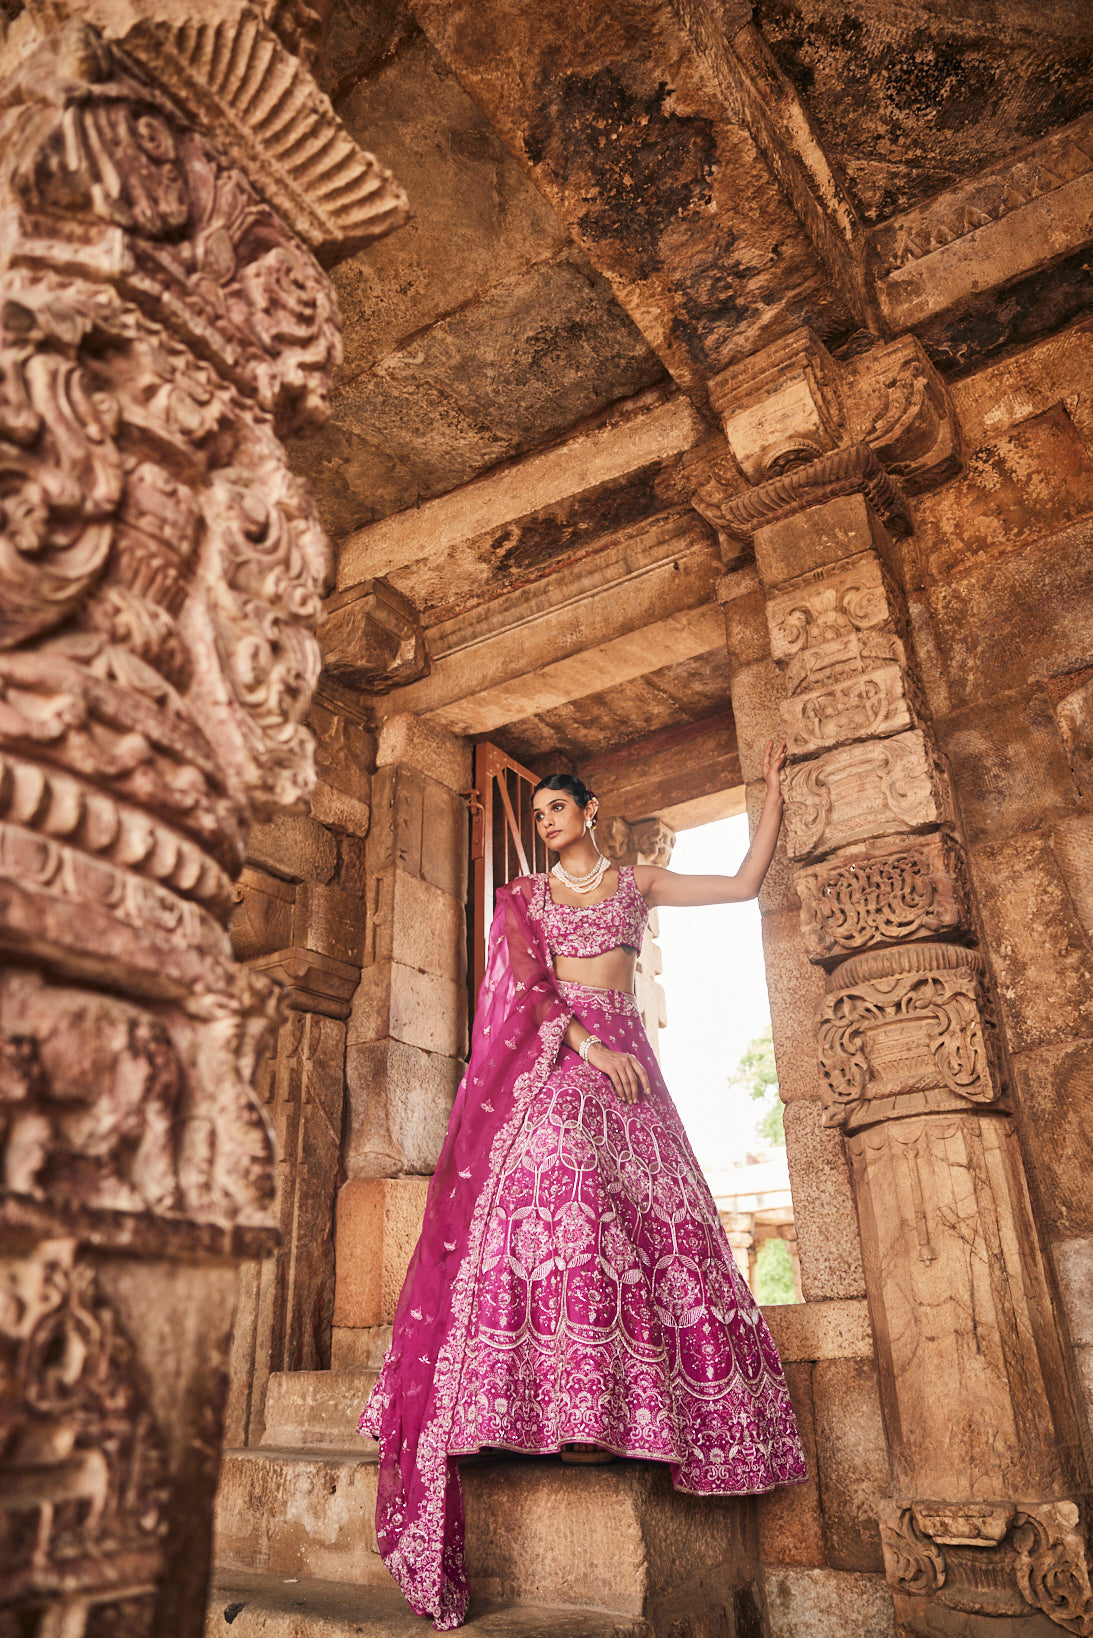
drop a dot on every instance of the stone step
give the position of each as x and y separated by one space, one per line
317 1408
615 1537
256 1606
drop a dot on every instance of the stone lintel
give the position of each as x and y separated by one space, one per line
997 226
520 488
619 658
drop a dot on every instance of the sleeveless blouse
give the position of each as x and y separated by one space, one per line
590 929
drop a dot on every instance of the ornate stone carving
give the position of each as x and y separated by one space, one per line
803 429
161 573
372 638
866 707
988 197
1053 1563
906 1030
780 408
917 889
857 791
911 1560
836 623
648 841
899 406
233 77
84 1494
851 471
992 1558
654 841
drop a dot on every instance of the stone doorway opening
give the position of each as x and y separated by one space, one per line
717 1053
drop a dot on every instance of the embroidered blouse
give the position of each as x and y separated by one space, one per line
590 929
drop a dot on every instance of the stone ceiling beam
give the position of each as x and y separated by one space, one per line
681 636
990 230
494 659
508 493
669 142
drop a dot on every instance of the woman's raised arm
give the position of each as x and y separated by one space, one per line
659 886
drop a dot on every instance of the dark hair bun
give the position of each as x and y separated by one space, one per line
569 783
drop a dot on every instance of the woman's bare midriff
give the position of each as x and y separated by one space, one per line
614 970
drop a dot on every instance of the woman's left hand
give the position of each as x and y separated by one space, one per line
774 760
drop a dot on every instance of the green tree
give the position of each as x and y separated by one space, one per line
774 1273
756 1075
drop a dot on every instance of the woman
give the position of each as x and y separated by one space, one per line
572 1289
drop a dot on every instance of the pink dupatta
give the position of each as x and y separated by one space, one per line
518 1030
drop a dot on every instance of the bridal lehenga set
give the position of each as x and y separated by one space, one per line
572 1283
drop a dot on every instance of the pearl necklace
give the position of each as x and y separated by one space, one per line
583 884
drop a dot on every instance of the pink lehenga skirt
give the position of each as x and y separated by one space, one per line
608 1306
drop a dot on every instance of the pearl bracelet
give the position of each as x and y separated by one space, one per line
586 1046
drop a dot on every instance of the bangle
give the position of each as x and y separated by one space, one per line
586 1047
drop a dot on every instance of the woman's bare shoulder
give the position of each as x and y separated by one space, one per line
647 878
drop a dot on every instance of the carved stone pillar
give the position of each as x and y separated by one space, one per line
987 1513
163 198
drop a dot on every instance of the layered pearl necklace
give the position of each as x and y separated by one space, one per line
583 884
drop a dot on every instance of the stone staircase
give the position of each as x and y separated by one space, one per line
553 1551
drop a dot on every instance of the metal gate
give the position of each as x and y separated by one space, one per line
503 842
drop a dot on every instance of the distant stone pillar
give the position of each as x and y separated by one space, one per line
987 1514
164 323
646 841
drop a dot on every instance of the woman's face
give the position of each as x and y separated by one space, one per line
558 818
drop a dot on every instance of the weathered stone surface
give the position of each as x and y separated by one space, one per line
821 1330
372 638
423 1009
828 1240
947 1228
852 1458
399 1099
1008 762
1025 612
294 847
420 827
790 1528
306 1408
796 992
741 597
879 788
378 1223
1055 1093
417 922
757 704
271 1606
824 534
1074 1270
408 742
819 1603
359 1348
1033 480
1043 963
299 1516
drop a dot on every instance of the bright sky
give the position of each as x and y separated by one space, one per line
717 998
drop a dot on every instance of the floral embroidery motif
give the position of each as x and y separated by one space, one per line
591 929
604 1245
